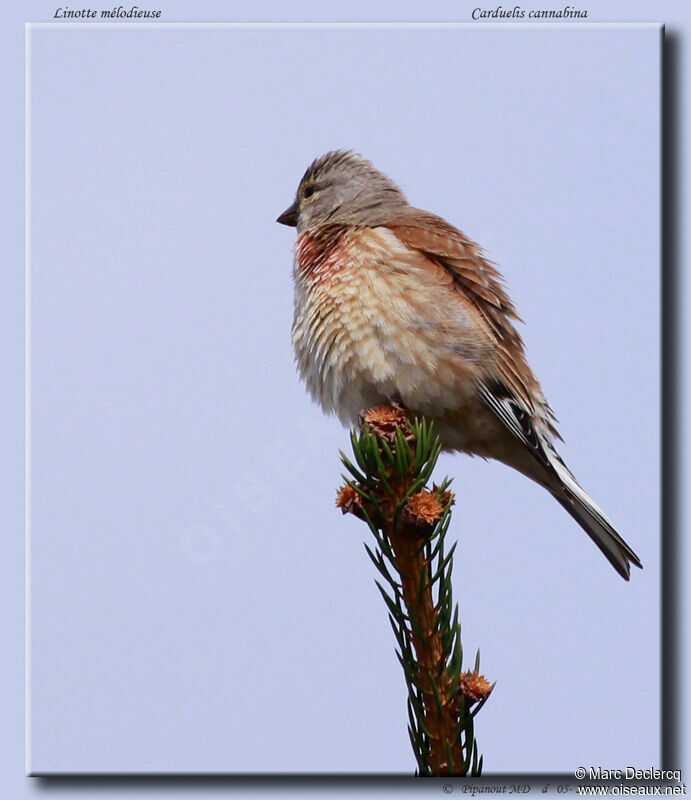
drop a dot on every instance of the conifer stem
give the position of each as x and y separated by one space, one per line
440 719
387 488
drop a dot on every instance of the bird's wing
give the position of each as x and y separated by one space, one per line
509 387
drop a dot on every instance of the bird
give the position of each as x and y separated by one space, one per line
394 305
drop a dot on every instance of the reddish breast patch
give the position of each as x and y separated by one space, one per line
320 254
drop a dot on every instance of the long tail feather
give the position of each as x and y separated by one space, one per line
535 456
593 521
601 531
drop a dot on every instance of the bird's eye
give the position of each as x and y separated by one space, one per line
309 191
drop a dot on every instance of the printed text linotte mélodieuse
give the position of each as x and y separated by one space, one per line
119 12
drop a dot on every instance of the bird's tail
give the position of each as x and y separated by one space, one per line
593 521
528 448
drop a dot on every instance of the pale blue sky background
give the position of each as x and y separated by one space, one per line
13 782
674 12
197 604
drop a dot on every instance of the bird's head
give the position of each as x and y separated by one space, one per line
342 188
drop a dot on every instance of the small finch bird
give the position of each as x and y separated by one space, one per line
393 305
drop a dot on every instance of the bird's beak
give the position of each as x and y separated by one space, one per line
290 216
